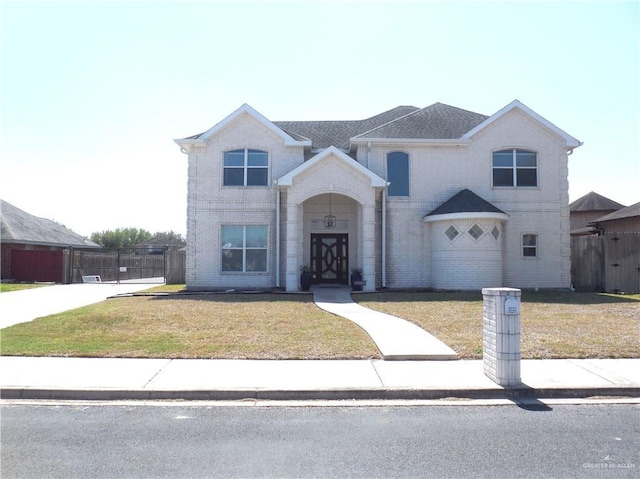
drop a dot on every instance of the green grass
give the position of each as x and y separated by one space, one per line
10 287
229 326
283 326
553 324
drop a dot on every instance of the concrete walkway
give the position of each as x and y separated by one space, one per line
204 379
29 304
396 338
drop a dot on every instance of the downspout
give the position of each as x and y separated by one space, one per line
368 155
277 237
384 238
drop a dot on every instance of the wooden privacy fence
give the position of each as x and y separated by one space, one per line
133 265
606 263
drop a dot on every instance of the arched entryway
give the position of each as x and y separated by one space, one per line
331 176
330 232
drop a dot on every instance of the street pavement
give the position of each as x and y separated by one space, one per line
121 378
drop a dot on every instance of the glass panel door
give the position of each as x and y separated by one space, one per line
329 258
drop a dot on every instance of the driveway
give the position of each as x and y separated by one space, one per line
29 304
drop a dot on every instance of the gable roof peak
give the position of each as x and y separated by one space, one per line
245 108
570 141
592 201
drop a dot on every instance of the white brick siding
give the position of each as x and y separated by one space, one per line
417 253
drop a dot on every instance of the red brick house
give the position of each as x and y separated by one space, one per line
33 248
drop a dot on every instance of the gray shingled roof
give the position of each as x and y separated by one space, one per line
17 226
435 122
466 201
337 133
594 202
627 212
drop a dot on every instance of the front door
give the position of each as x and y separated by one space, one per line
330 258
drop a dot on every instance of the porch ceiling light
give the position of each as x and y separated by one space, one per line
329 220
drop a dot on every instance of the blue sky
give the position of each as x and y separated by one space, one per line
93 93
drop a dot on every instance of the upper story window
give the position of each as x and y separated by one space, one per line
246 168
515 168
398 173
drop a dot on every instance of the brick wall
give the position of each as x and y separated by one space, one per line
415 257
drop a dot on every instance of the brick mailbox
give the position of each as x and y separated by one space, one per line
501 335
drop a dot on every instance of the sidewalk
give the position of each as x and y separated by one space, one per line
195 379
119 378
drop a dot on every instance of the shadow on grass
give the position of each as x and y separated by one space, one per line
548 297
235 297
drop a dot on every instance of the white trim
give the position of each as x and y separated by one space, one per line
570 141
278 220
476 215
376 181
244 109
412 141
384 238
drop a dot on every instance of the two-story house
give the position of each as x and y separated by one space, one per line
437 197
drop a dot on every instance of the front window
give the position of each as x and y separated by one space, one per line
530 246
244 248
246 168
515 168
398 173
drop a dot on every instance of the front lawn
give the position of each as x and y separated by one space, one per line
229 326
283 326
554 324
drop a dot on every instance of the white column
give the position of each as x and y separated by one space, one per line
369 247
292 273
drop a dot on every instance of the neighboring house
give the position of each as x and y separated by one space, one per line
32 247
588 208
437 197
624 220
158 245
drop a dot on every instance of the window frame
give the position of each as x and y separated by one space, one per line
245 168
525 247
408 173
244 248
514 168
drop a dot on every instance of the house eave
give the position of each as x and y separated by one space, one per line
48 244
412 141
471 215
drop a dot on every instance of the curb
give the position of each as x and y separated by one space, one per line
319 394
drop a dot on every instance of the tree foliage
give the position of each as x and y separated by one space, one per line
130 237
170 237
120 237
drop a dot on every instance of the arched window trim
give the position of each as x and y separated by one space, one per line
402 190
